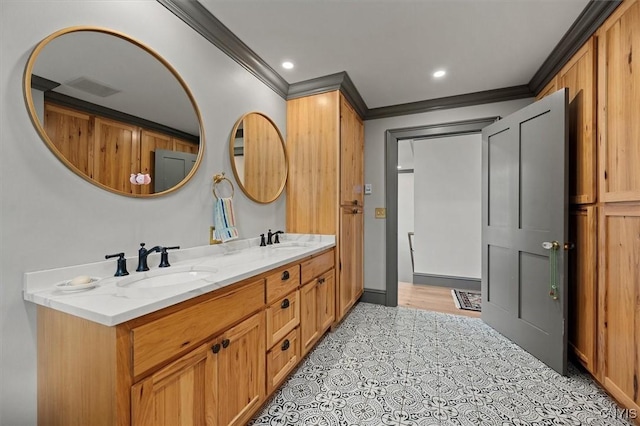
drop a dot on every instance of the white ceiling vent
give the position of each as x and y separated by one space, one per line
91 86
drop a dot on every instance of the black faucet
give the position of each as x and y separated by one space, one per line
277 237
142 257
164 256
122 264
269 237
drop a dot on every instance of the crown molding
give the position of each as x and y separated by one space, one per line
338 81
593 15
468 99
43 84
201 20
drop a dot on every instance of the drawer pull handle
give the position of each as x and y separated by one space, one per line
215 348
285 304
285 275
320 280
285 345
225 343
355 202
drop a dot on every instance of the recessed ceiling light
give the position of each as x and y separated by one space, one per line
287 65
439 73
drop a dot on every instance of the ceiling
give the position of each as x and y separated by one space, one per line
390 48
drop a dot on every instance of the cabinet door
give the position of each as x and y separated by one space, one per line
308 317
579 77
241 371
618 100
351 156
116 155
582 285
326 300
179 394
313 134
619 300
351 282
71 133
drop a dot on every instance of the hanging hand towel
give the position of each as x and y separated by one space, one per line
224 220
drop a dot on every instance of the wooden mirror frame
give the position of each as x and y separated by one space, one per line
239 180
28 96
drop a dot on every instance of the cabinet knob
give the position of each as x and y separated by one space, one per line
215 348
285 304
354 211
355 202
285 275
285 345
320 280
225 343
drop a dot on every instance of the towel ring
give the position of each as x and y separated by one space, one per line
217 180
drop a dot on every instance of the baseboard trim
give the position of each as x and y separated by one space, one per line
378 297
463 283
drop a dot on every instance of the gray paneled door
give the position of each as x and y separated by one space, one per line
524 228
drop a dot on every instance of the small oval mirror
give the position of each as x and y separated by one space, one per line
258 157
114 111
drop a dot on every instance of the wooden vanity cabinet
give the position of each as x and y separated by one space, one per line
219 383
212 360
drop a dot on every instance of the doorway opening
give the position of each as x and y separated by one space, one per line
399 177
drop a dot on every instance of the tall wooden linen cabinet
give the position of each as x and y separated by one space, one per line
325 146
603 79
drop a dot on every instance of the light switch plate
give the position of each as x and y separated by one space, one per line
381 213
368 189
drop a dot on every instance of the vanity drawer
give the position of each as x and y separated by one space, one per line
282 282
282 359
282 317
160 340
317 265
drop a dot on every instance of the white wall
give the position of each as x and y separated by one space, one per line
448 173
52 218
405 225
374 150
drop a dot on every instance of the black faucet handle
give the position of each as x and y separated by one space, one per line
262 242
164 256
122 264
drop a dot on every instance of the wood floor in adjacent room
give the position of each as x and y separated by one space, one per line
430 298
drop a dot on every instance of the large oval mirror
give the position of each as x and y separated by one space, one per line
258 157
114 111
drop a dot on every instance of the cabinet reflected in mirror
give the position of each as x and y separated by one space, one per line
258 157
109 107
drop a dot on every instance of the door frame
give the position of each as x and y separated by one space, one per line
392 137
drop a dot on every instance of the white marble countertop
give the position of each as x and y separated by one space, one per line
111 303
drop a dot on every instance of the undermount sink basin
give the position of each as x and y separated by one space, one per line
289 245
155 282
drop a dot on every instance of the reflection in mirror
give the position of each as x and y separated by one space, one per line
258 157
114 111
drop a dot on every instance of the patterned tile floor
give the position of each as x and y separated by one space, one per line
401 366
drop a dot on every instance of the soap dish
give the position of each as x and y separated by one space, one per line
68 287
